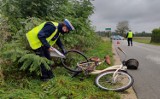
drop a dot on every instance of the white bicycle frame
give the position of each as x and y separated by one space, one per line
114 67
56 53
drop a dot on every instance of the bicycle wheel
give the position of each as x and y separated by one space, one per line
122 82
71 60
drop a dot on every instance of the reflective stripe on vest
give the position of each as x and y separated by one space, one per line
130 34
32 36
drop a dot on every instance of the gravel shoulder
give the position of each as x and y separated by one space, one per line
129 93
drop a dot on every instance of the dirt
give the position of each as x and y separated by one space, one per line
129 93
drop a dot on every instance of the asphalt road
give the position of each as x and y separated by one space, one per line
147 77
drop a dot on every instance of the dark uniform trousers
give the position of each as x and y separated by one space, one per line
129 41
44 52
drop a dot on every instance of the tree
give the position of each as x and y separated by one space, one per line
122 27
155 35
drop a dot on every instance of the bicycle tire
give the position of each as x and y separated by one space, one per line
71 60
104 81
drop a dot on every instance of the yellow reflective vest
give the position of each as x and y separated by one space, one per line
130 35
32 36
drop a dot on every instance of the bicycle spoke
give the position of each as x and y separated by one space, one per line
121 81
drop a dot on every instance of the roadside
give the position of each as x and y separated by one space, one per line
129 93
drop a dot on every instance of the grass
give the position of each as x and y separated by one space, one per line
145 40
62 86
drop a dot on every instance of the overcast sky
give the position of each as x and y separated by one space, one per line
142 15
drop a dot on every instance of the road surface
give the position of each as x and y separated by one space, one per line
147 77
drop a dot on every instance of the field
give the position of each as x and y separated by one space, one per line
145 40
142 39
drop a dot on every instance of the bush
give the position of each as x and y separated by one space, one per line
155 36
20 19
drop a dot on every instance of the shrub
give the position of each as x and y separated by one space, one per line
155 36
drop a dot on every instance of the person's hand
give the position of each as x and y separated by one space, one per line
51 49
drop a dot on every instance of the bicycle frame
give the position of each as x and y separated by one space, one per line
114 67
110 77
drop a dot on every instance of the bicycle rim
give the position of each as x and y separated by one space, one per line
122 82
71 60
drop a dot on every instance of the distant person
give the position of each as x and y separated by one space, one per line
129 37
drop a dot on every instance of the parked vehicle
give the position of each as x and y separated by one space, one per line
120 37
117 37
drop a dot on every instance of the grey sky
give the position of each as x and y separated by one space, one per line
142 15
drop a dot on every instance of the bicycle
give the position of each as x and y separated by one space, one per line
114 78
69 59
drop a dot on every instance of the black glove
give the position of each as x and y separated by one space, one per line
64 51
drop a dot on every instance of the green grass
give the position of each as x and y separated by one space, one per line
103 48
62 86
145 40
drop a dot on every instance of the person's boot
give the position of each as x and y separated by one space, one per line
44 78
50 74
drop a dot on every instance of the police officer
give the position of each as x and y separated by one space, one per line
129 37
43 37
